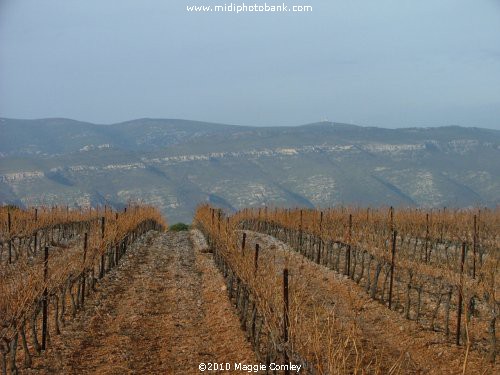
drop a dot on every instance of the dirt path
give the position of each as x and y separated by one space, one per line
163 311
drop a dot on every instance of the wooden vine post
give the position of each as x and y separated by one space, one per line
45 298
393 257
286 318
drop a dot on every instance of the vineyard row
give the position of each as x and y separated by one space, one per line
48 274
437 298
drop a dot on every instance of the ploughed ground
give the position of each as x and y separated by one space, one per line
164 310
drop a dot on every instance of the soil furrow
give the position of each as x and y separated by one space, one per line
162 311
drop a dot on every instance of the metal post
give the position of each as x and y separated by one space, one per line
392 218
394 235
9 225
286 318
103 226
318 259
460 295
426 237
474 248
103 229
348 248
256 258
45 298
300 233
85 244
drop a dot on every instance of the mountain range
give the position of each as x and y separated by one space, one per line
177 164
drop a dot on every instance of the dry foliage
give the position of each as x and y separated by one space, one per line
26 278
429 247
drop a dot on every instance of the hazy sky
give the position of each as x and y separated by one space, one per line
392 63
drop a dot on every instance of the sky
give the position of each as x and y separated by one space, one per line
388 63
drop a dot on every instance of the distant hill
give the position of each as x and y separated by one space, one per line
176 164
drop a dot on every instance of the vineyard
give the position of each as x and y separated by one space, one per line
50 261
339 291
431 274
